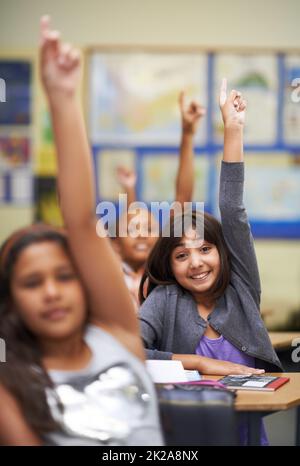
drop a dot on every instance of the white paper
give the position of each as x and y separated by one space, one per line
192 375
254 384
162 371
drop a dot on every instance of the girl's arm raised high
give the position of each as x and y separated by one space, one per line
191 115
109 301
127 179
234 218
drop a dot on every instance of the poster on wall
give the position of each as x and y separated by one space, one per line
133 106
256 77
14 151
272 187
16 110
108 162
291 110
45 163
46 208
134 96
16 132
157 186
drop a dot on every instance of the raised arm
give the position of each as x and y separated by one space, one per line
109 301
127 179
191 115
234 218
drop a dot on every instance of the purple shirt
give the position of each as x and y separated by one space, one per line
220 348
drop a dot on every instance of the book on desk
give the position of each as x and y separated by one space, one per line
266 383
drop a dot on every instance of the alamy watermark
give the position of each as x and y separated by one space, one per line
2 90
296 351
138 219
295 95
2 350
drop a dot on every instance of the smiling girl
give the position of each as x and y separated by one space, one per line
203 291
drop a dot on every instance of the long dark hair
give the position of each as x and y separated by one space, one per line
23 373
158 269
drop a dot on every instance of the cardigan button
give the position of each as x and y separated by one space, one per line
244 348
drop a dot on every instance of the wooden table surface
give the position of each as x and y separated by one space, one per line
283 340
285 397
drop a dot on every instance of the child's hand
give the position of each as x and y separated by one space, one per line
219 367
59 63
232 368
190 114
126 177
232 107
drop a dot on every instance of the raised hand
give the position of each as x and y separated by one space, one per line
191 114
59 62
126 177
232 107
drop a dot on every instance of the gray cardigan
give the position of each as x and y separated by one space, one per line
169 317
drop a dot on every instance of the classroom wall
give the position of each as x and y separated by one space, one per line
268 23
255 24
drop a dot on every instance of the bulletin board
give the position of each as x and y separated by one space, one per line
133 120
16 178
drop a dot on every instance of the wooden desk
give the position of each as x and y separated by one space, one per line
259 403
283 340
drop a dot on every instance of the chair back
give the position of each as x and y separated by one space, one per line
197 414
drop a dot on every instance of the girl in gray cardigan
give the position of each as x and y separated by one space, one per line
203 295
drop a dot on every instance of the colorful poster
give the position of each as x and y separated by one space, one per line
291 110
133 97
159 177
272 187
255 76
45 164
107 163
16 110
14 151
46 201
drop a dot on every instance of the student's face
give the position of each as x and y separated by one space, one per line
195 264
135 250
47 293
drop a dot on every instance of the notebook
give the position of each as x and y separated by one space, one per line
265 383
